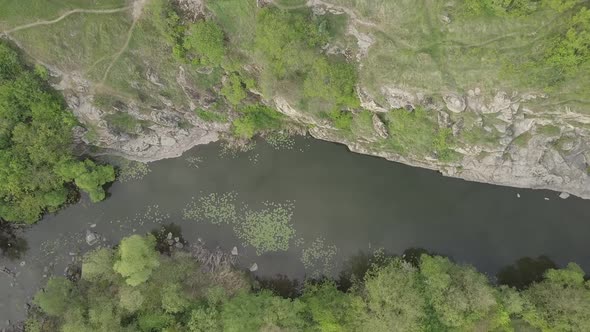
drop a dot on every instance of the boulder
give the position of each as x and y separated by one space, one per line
91 238
380 127
564 195
234 251
444 120
254 267
458 126
455 103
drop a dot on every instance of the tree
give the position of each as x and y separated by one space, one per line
89 177
459 295
394 298
286 40
261 311
333 310
333 81
130 299
173 298
58 296
233 89
36 157
98 265
137 259
561 302
204 42
256 118
204 319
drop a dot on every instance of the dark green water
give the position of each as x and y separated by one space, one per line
357 203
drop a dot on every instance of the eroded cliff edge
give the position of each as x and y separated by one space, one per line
433 91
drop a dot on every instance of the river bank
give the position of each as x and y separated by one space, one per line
353 203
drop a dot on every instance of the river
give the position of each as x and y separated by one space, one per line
355 203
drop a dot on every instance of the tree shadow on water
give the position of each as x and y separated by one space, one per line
281 285
356 267
525 272
12 246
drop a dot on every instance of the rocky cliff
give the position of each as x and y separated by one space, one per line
140 103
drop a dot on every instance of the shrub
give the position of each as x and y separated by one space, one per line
203 43
256 118
210 116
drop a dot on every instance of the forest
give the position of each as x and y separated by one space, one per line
134 287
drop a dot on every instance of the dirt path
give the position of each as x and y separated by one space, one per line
137 11
117 55
71 12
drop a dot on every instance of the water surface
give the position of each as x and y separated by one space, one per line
356 203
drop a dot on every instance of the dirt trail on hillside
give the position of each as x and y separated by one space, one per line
137 11
71 12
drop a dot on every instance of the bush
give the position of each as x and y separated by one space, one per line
286 40
256 118
341 119
332 81
233 89
203 44
210 116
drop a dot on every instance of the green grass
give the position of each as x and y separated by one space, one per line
289 3
238 18
549 130
18 12
124 123
485 51
210 116
523 139
416 133
362 124
79 42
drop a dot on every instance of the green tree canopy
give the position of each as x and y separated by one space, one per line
36 157
137 259
59 295
561 302
204 43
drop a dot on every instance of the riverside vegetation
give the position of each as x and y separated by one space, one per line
135 288
38 169
223 67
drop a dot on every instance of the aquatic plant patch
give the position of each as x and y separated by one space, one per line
318 257
214 208
268 229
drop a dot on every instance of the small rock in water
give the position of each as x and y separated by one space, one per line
517 195
564 195
169 236
546 198
91 237
179 245
23 263
176 239
92 225
254 267
234 251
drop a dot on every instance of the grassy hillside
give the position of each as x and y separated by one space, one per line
328 63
